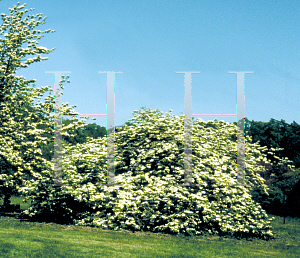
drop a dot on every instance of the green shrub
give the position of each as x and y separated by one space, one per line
149 166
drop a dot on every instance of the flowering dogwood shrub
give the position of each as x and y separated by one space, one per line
149 169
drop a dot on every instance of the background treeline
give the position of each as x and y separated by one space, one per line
284 183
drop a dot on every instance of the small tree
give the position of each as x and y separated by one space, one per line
23 124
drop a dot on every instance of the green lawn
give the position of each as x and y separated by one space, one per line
30 239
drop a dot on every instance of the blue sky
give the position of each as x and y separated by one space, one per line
150 40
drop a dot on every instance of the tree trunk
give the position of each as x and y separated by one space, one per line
7 195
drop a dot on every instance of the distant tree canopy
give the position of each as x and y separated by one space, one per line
276 134
91 130
281 180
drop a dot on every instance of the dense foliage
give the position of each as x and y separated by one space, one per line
149 162
281 179
80 135
24 126
149 169
277 134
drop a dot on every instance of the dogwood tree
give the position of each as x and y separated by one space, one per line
23 124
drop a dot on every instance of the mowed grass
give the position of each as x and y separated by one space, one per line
31 239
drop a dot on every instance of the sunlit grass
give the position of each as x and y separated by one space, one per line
30 239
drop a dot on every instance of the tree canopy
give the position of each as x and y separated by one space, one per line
24 126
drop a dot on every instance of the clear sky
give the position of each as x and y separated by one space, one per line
149 41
